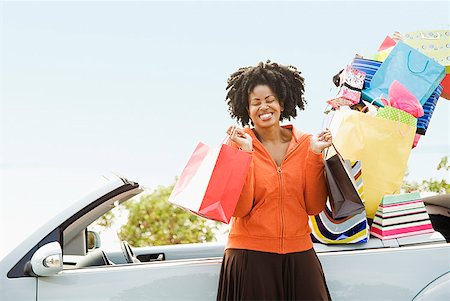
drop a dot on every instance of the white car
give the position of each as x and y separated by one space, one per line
55 263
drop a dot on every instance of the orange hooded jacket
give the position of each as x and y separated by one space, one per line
272 212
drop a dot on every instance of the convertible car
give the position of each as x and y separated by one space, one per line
63 260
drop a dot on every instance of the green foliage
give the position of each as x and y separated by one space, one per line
106 220
152 220
444 164
431 185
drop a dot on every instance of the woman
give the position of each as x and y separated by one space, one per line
269 254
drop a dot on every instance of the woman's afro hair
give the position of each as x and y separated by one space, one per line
285 81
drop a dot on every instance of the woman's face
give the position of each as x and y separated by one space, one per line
263 107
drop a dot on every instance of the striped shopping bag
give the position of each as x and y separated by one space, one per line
400 215
428 109
353 229
367 66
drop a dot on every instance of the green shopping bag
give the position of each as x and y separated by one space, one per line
395 114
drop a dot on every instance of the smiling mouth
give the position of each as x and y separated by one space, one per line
265 116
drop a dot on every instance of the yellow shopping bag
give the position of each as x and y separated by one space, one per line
383 146
433 43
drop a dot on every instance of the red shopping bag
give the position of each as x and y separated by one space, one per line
212 181
446 87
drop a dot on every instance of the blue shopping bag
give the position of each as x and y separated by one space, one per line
419 73
428 108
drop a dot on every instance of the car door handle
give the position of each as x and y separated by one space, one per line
151 257
160 257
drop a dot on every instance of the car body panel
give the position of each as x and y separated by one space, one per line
177 280
396 269
397 276
18 288
384 274
25 288
439 289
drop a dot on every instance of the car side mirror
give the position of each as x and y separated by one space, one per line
93 240
47 260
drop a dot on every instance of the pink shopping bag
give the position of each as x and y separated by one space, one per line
212 181
350 90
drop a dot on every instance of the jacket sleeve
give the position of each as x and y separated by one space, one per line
315 185
245 203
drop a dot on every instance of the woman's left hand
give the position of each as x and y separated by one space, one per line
321 141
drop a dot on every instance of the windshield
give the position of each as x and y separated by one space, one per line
31 197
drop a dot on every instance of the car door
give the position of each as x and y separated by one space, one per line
170 280
102 279
18 279
389 273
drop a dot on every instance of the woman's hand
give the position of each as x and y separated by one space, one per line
321 141
241 138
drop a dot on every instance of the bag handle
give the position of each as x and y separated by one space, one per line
436 36
366 107
402 133
335 149
409 68
347 171
228 136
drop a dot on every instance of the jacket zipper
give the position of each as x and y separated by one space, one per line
280 185
280 180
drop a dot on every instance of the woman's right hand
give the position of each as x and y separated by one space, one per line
241 138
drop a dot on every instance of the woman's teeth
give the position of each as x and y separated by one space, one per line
266 116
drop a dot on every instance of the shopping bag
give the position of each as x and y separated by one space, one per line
383 146
370 67
428 108
417 72
384 49
342 190
350 90
401 215
416 140
387 43
446 87
433 43
328 230
401 98
395 114
353 229
212 181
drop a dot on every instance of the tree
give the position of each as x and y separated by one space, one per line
105 221
152 220
431 185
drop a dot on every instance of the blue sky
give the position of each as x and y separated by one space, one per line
89 88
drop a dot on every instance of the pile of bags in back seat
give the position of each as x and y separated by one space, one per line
383 106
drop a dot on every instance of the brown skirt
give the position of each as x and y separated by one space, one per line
253 275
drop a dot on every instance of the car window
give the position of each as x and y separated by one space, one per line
145 221
97 239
